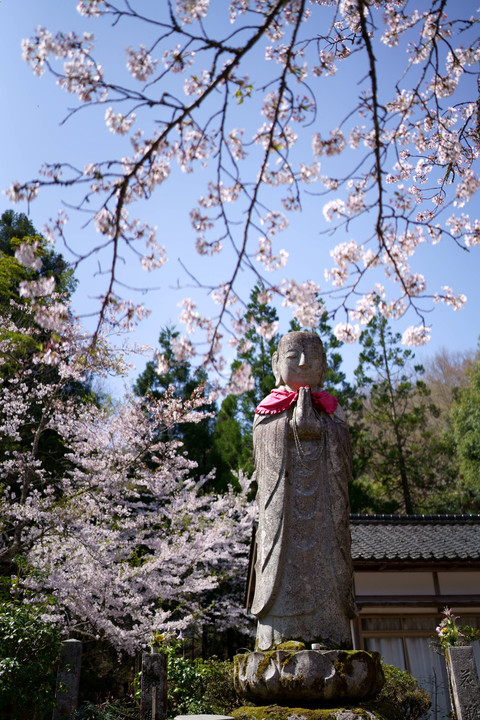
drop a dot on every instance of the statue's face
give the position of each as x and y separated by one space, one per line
300 361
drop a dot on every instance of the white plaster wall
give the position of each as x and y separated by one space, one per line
459 583
394 583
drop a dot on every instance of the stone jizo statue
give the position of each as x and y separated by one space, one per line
304 578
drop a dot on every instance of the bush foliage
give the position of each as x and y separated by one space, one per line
29 650
403 694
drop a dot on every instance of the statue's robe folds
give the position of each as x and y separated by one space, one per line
304 576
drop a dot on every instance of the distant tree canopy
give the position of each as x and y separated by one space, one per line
410 454
393 434
466 430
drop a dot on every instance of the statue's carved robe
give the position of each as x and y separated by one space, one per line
304 577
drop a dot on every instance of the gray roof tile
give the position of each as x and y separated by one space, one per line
415 537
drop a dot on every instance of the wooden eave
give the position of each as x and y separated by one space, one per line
420 565
416 600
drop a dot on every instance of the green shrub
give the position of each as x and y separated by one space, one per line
124 709
29 650
195 686
403 694
200 687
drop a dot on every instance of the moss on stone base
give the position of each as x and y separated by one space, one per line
368 711
290 646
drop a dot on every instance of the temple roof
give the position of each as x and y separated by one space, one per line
415 538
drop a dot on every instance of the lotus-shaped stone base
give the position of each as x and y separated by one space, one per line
312 677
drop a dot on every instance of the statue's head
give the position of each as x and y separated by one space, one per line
299 360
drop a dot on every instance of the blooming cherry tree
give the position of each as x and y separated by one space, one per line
241 89
112 526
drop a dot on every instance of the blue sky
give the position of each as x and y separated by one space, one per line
31 132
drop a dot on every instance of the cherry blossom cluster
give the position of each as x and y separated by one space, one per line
126 314
304 297
117 123
81 74
241 380
27 254
400 163
91 8
183 347
140 63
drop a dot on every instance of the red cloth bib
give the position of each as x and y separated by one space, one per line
280 400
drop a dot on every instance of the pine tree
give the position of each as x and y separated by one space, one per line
257 351
466 433
401 464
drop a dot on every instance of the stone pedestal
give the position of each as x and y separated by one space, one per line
316 678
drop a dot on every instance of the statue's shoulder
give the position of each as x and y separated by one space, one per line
265 419
339 414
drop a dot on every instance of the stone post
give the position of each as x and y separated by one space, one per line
68 679
153 703
463 680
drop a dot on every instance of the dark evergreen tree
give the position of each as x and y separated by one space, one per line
466 434
404 466
233 431
257 353
233 444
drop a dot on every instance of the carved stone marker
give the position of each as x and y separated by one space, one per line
153 703
464 685
68 679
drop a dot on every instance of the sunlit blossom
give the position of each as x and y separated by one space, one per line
27 254
117 123
36 288
447 296
140 63
346 332
416 335
241 381
303 297
191 10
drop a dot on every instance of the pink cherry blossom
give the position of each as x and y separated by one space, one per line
27 254
398 157
346 332
415 336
